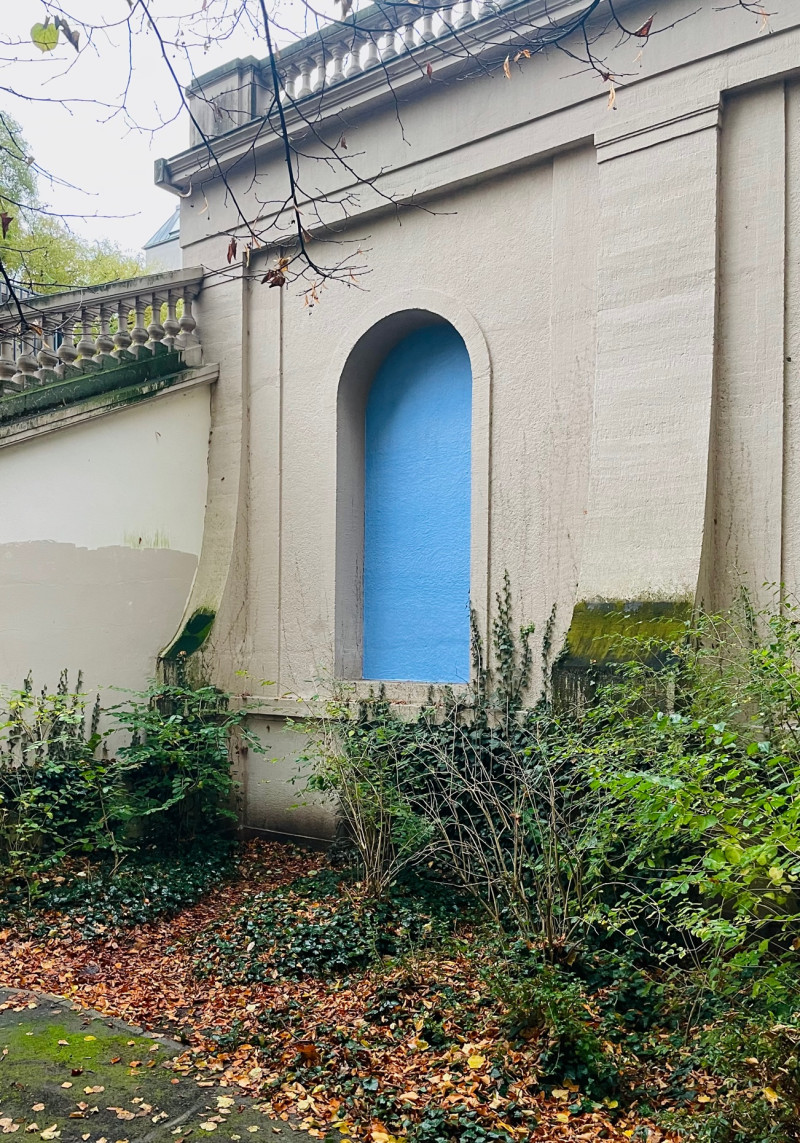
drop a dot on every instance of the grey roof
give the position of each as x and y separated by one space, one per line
169 232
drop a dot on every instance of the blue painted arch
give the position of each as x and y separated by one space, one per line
417 495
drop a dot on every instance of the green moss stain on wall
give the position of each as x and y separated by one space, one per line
128 378
195 632
601 628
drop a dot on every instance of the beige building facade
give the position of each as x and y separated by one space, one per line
624 273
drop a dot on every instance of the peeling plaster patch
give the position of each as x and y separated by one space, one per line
155 540
107 611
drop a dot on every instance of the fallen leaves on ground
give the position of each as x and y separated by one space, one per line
312 1051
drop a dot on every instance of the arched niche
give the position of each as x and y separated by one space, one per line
398 341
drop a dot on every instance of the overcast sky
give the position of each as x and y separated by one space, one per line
110 157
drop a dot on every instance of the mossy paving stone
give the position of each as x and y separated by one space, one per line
34 1067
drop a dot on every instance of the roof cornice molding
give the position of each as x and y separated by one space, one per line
455 52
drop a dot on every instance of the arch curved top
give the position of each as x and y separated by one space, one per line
371 335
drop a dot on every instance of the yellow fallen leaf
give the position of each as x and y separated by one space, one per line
87 1038
560 1093
476 1062
771 1095
67 1084
38 1107
562 1116
209 1126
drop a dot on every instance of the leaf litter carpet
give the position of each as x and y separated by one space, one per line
316 1061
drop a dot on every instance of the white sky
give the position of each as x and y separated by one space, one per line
107 156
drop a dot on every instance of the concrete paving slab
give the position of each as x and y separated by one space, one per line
79 1077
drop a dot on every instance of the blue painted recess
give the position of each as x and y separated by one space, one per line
417 511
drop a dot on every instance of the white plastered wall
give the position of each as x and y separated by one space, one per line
100 534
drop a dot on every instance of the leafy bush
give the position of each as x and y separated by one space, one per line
493 798
55 797
62 797
176 769
703 797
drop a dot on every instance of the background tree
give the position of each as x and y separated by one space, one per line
38 250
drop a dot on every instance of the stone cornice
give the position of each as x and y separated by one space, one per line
89 398
644 131
452 54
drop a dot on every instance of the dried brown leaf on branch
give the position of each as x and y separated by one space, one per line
232 247
644 31
71 35
5 221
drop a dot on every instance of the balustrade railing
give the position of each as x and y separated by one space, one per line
55 337
335 54
342 51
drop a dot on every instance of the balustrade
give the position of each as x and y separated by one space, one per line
341 52
65 335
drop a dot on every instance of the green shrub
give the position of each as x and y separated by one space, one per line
176 768
56 797
493 798
549 1005
62 797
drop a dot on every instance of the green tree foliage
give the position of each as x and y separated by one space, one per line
37 248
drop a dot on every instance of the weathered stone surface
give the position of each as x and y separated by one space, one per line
53 1052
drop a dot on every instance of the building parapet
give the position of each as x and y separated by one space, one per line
364 56
52 342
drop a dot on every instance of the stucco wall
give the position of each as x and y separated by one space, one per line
100 533
625 282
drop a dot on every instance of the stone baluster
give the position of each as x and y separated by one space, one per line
67 352
389 49
446 16
139 332
306 71
47 355
354 51
8 366
371 54
122 337
86 346
105 342
155 330
172 327
187 340
291 75
321 79
27 365
486 9
426 30
467 14
409 39
337 56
